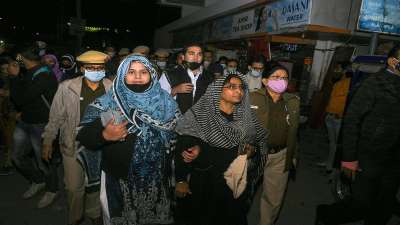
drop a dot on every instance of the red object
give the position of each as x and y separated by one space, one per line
350 165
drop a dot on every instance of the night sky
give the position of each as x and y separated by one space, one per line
24 20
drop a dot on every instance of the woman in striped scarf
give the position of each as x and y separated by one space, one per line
213 133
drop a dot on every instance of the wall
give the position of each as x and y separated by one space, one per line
331 13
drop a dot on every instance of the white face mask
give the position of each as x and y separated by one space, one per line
255 73
223 65
161 64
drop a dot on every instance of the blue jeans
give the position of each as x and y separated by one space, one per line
28 143
333 125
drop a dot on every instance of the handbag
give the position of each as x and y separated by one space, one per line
342 186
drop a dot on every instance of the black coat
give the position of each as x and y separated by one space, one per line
179 75
371 125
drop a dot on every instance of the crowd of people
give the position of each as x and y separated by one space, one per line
181 138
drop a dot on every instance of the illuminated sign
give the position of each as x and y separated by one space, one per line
96 29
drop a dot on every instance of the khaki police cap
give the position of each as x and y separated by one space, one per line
141 49
94 57
161 53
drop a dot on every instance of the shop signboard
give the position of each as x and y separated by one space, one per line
380 16
242 24
221 28
285 14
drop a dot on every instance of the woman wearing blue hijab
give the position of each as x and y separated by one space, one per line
129 132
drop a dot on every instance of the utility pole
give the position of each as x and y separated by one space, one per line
79 16
373 43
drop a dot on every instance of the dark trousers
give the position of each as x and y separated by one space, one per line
28 142
374 197
211 202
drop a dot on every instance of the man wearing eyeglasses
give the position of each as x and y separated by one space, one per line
278 112
67 109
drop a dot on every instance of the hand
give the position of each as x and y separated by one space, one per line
294 163
182 88
47 151
18 116
349 169
182 189
115 132
191 154
349 173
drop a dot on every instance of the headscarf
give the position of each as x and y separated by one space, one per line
152 116
56 68
69 58
205 121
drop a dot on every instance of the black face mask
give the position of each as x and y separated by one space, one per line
397 67
192 65
138 88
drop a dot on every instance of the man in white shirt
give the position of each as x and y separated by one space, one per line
188 83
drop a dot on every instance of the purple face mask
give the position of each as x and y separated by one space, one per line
277 86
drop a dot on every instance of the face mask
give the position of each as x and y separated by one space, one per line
206 63
255 73
161 64
42 52
95 76
231 69
223 65
138 88
193 65
277 86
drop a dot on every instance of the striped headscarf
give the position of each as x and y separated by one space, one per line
205 121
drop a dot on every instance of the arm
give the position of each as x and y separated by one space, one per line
361 103
91 135
164 83
182 168
57 117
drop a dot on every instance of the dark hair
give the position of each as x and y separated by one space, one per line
258 59
208 50
31 53
232 60
223 58
394 52
5 60
231 76
192 45
272 68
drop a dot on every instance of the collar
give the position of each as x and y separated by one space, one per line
191 74
194 76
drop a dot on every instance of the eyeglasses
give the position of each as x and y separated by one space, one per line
233 87
279 78
94 68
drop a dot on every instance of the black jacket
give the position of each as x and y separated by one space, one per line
179 75
116 155
26 92
371 125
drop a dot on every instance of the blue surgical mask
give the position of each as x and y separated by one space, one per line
255 73
94 76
